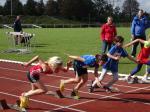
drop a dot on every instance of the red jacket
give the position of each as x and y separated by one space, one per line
108 32
143 56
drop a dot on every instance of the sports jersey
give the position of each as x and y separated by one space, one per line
112 64
37 69
90 61
144 54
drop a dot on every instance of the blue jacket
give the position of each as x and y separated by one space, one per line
139 26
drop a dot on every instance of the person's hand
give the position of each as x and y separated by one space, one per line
98 82
69 63
117 57
132 37
138 61
25 64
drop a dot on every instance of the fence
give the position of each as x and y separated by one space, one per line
62 25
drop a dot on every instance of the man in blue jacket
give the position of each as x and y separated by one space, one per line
139 24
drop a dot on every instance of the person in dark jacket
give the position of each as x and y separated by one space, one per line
17 25
139 24
18 28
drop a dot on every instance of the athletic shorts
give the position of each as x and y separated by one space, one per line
78 69
33 79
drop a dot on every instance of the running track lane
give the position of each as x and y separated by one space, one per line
97 102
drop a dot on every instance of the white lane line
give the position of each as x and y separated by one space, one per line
111 96
38 101
103 96
58 76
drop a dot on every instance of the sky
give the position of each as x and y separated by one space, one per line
144 4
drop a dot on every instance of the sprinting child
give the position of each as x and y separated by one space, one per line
142 58
80 65
53 65
114 55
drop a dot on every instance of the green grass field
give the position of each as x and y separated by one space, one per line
76 41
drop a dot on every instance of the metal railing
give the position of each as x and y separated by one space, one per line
52 25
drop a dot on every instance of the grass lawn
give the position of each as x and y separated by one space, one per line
76 41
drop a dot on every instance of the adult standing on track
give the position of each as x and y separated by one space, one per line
108 34
139 24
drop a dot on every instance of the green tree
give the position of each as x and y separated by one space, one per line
76 9
7 8
116 14
40 8
103 9
17 7
30 8
52 8
1 10
130 8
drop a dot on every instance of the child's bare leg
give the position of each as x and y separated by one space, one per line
82 82
115 78
33 87
69 81
72 80
38 88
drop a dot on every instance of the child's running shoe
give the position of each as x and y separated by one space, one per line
107 89
62 85
24 101
59 94
91 89
75 94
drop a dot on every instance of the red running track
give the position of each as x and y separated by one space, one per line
13 81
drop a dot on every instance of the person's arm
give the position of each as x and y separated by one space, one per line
20 26
115 31
34 59
68 65
96 77
78 58
131 43
132 59
14 26
146 22
113 57
103 32
133 29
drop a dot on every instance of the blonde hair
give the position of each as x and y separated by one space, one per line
55 61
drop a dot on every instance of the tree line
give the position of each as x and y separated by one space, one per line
78 10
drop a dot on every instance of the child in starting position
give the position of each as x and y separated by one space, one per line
80 65
114 55
53 65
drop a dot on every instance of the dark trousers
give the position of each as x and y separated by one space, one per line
138 68
134 47
106 45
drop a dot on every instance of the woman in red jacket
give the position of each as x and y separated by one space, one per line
108 34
